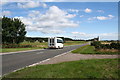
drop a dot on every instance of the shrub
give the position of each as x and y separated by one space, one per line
113 45
95 43
26 46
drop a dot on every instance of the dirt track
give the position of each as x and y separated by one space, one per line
74 57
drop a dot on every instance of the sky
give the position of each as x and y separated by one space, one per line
76 20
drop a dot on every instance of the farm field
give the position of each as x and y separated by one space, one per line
38 45
94 68
68 43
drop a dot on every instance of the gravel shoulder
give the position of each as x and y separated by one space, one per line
74 57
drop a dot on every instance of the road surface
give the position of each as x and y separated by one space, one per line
11 62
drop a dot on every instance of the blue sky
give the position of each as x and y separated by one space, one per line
81 20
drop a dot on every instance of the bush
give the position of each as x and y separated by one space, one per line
115 45
95 43
98 45
25 46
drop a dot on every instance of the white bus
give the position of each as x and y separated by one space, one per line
55 42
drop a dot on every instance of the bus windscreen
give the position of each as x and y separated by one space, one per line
59 41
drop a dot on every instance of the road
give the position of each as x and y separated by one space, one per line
11 62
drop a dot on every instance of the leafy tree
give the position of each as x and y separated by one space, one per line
13 30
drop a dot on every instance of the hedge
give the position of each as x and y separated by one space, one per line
112 45
16 46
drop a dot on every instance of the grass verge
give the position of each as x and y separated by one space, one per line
91 50
18 49
94 68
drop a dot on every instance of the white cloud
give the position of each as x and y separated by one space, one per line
100 11
3 3
31 4
87 10
53 21
105 18
92 18
101 18
6 13
70 15
82 35
44 5
81 16
54 31
73 10
78 33
110 36
110 16
78 22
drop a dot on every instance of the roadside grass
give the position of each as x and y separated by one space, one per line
0 50
38 45
91 50
94 68
19 49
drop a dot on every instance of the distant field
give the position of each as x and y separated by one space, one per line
38 45
91 50
68 43
95 68
35 43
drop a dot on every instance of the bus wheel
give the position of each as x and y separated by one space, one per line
58 47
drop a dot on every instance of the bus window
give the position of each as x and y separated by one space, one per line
59 41
52 40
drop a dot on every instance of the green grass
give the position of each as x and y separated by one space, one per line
91 50
95 68
18 49
85 49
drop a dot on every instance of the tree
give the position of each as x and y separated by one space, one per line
13 30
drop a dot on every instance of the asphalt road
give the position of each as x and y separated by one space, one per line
11 62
